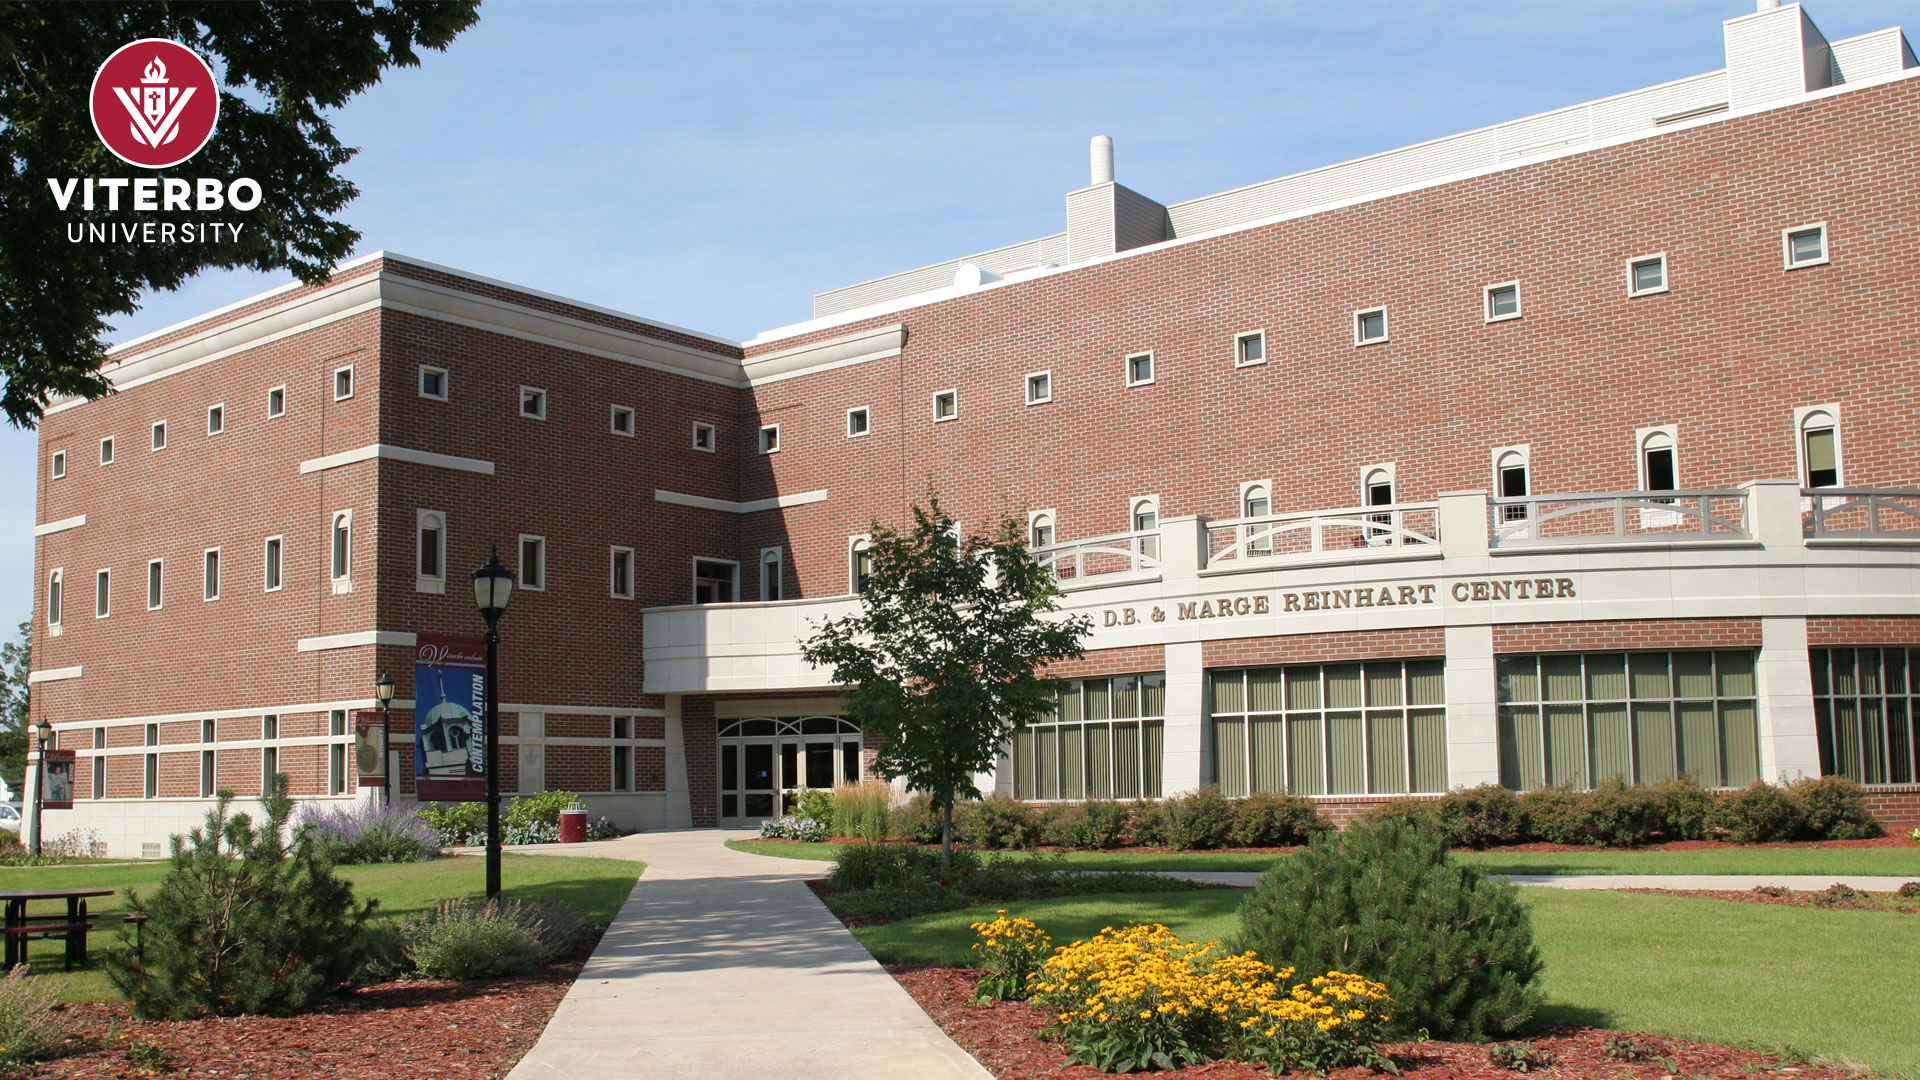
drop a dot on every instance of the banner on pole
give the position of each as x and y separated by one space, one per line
59 779
370 747
449 718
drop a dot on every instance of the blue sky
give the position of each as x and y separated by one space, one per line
715 164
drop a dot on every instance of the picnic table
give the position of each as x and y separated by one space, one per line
72 926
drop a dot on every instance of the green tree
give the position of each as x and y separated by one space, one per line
281 66
16 660
943 657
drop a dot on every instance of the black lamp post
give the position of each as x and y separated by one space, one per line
43 729
383 692
492 588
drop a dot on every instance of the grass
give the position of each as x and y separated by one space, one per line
596 886
1804 980
1894 862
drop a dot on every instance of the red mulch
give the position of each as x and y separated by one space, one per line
1785 899
1004 1037
443 1031
1677 845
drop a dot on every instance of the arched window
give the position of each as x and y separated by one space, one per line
771 573
859 563
1820 448
432 545
1256 501
1144 517
1511 480
1040 529
56 585
1659 470
341 545
1376 489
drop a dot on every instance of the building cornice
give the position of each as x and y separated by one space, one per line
396 453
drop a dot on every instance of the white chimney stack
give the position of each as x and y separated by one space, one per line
1102 159
1765 5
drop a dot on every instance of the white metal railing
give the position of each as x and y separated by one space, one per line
1116 553
1890 513
1619 517
1344 533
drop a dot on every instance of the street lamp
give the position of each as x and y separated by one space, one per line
492 588
383 692
44 730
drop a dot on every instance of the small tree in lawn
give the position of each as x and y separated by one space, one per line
943 656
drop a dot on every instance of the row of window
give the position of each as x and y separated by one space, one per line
216 422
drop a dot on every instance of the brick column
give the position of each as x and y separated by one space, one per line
700 741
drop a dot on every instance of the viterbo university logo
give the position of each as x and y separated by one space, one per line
154 103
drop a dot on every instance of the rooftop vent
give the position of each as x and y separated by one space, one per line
1106 217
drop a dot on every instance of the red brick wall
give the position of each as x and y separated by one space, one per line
1326 648
701 740
1137 658
1897 807
1627 634
1827 630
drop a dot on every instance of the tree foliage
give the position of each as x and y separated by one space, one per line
247 921
280 65
16 661
943 656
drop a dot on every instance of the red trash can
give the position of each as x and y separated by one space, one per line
573 825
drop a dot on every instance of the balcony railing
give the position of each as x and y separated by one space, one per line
1668 517
1861 513
1324 534
1116 553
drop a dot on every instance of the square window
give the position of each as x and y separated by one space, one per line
1647 275
1250 349
276 402
621 420
533 403
770 439
216 419
1503 301
620 573
1140 369
1040 388
343 384
533 562
859 422
160 435
106 451
1805 246
946 405
59 464
433 383
703 437
715 581
1370 327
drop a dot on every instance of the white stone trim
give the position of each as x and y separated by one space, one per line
303 708
58 674
350 641
395 453
754 506
60 526
876 344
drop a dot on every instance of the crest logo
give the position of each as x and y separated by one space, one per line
154 103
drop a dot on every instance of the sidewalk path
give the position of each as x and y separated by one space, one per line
724 964
1735 882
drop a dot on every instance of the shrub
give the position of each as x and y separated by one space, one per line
76 844
1454 947
1147 822
1908 891
1001 822
917 823
1623 1048
368 833
1686 809
793 827
1481 817
533 814
1552 815
1834 808
882 866
243 923
1198 822
467 939
1616 814
864 811
816 804
30 1030
1520 1057
1419 813
1760 814
1272 819
1011 950
457 823
603 828
1089 826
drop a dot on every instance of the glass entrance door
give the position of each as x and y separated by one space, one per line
765 764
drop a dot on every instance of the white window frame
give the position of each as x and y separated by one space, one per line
430 583
613 579
56 613
106 451
1052 521
1800 417
1486 301
694 576
952 394
213 580
775 557
615 412
1026 386
420 382
103 592
156 587
1386 470
713 437
1666 275
866 422
272 413
1152 372
1240 337
268 561
1496 458
856 545
1386 326
57 465
157 440
1786 246
520 567
769 439
1641 438
1147 546
540 400
217 411
340 571
1259 547
337 372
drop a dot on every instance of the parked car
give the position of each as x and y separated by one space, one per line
10 816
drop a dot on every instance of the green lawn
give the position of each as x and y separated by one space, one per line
1898 862
596 886
1834 983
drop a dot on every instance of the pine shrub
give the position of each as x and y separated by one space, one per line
246 922
1834 808
1002 823
1385 900
1481 817
1686 809
1273 819
1761 814
1199 822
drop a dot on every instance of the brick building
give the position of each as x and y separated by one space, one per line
1574 447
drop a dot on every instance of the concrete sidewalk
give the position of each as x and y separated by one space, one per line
722 963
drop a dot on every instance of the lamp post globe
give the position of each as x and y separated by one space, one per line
43 733
492 589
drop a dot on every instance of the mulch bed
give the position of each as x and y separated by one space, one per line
1787 898
1677 845
1004 1037
443 1031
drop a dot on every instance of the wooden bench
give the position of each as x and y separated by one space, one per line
53 926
